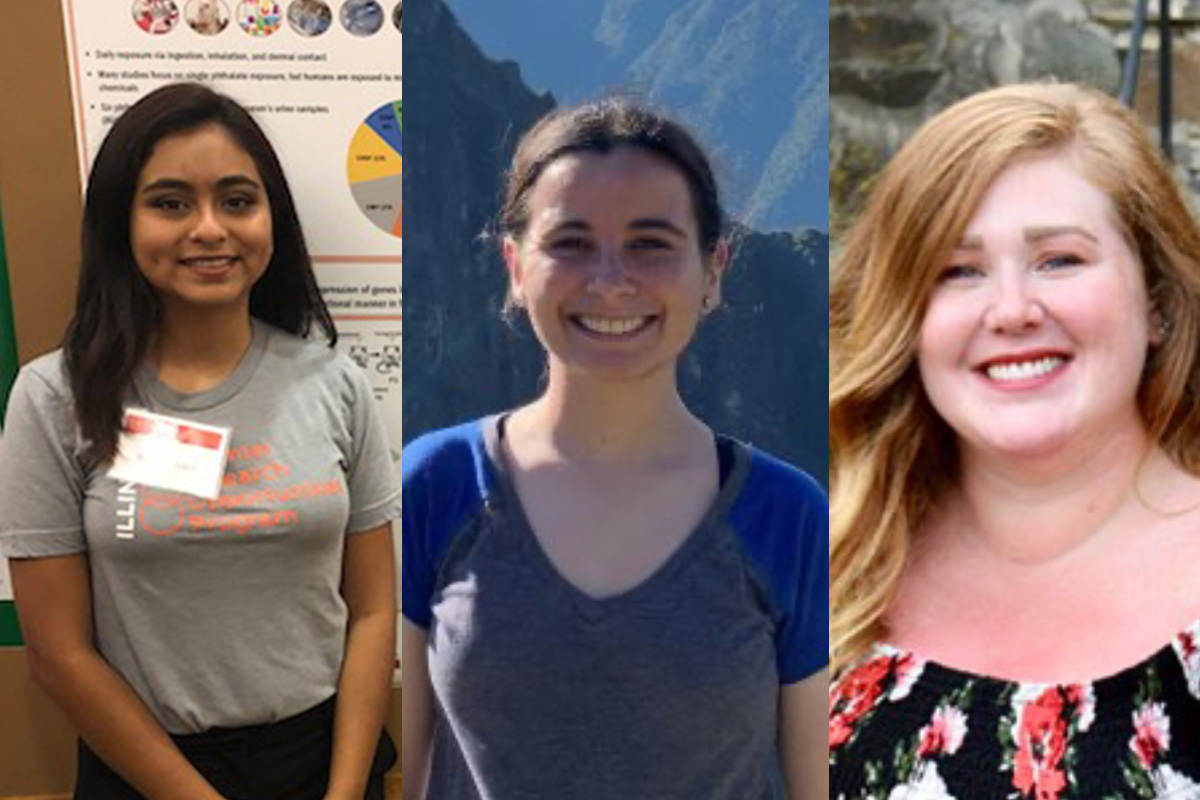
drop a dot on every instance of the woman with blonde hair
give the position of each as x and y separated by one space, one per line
1014 447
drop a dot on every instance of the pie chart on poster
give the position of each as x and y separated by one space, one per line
374 167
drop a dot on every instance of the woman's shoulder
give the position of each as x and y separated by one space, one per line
449 462
299 361
780 514
780 522
41 404
48 368
44 380
294 349
456 447
775 474
773 487
446 480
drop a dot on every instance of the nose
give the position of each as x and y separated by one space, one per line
208 227
609 277
1015 306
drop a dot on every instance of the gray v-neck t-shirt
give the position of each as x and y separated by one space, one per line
669 690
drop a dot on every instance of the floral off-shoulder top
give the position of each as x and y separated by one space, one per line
902 728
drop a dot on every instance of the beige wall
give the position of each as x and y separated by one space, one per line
40 201
39 179
37 748
41 206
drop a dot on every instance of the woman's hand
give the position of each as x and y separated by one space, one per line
416 715
369 588
54 603
804 737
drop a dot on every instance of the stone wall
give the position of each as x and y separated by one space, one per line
894 63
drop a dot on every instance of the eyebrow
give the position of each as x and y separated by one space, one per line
1037 234
641 224
657 224
1033 235
228 182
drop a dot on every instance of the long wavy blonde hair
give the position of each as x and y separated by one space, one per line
891 456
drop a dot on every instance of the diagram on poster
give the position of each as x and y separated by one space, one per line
366 302
374 167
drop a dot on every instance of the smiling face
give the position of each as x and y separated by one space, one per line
1036 334
200 228
610 267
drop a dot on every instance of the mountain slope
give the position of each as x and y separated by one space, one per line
750 75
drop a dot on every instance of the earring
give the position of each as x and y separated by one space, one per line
706 304
1164 328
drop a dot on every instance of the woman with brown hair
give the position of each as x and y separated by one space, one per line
1015 441
601 597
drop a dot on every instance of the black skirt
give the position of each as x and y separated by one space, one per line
285 760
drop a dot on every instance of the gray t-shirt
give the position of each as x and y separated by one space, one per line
218 613
666 692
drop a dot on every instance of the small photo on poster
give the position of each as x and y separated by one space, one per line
207 17
309 17
259 18
362 17
156 16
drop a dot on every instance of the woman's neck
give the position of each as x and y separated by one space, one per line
1035 511
1011 560
195 351
638 423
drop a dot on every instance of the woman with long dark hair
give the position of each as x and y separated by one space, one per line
195 496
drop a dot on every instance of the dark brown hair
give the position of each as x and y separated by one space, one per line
117 312
601 127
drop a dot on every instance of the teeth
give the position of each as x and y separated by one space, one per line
219 261
612 327
1024 370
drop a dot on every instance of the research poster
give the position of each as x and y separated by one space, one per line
323 78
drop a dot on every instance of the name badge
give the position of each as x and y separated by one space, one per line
171 453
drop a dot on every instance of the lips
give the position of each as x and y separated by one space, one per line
1023 367
211 266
